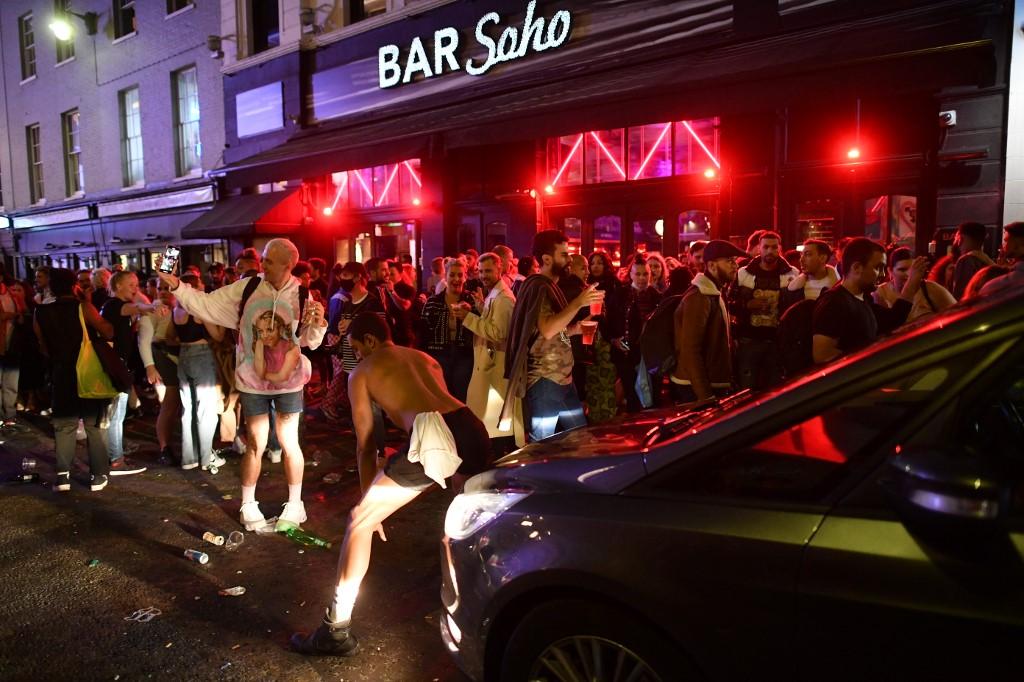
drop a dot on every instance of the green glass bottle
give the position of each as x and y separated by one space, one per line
303 538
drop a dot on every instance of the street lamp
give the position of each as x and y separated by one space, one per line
63 30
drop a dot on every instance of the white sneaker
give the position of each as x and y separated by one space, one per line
80 432
216 461
239 445
251 517
274 455
293 514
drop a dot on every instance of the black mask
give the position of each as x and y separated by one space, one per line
347 284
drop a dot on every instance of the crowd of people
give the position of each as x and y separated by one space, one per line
492 352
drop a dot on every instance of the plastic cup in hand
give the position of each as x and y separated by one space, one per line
589 328
597 307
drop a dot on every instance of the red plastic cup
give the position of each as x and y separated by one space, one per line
589 329
596 307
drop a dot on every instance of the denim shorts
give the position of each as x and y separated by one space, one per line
254 405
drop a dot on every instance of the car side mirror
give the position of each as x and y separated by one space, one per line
946 484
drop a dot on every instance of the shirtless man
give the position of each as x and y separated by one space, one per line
405 383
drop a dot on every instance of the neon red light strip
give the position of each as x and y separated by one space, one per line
341 188
565 164
608 154
650 154
415 178
387 185
359 177
702 145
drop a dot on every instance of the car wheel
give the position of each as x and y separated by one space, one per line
570 640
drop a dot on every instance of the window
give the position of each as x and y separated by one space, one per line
396 184
657 150
264 22
364 9
65 48
123 18
131 138
73 171
27 40
177 5
805 461
35 163
188 148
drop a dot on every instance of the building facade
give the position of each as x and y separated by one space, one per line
433 126
108 134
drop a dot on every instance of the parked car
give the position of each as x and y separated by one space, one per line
863 522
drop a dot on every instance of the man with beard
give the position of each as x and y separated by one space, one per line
754 302
443 335
846 318
702 337
538 362
396 307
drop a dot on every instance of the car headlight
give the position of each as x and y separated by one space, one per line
469 512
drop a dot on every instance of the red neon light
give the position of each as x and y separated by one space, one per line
565 164
702 145
650 154
608 154
415 178
387 185
337 195
359 177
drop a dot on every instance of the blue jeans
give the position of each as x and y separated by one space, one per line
200 402
550 408
115 430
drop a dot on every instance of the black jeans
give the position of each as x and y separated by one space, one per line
757 364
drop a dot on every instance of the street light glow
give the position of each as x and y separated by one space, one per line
61 29
854 153
709 173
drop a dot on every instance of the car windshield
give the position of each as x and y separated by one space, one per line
694 414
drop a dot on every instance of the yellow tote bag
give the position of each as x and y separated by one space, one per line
93 382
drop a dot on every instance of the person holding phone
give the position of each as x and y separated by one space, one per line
243 306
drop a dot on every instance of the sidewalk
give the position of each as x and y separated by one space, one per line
61 618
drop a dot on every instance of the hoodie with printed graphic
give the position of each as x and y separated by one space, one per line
267 356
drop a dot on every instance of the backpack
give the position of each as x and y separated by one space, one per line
657 340
796 337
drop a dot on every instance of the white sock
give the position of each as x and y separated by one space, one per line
248 494
340 612
294 492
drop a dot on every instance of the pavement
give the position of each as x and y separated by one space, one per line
62 618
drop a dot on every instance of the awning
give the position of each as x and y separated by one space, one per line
271 212
917 49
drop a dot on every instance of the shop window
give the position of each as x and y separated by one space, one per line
395 184
696 146
648 234
131 139
65 48
264 25
573 230
657 150
603 156
650 151
694 225
123 18
74 174
495 232
891 219
608 237
361 188
819 219
27 43
35 163
188 146
565 160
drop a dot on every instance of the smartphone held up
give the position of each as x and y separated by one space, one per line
170 259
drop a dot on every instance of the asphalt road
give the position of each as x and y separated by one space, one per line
61 618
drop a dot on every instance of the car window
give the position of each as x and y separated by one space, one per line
803 461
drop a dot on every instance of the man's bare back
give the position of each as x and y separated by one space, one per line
404 382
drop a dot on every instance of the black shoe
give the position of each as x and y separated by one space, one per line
169 458
97 483
326 641
63 482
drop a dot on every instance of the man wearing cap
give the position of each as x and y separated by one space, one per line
702 337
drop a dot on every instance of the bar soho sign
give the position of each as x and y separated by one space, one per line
513 43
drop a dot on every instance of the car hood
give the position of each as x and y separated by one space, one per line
604 458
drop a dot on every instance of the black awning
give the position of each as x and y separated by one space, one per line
239 217
918 49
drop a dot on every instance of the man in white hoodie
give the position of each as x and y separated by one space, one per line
272 323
